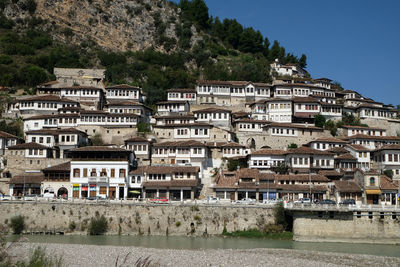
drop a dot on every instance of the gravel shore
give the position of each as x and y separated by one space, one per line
90 255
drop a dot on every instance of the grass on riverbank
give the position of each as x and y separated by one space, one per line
255 233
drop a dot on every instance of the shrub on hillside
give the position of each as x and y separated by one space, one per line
98 225
17 224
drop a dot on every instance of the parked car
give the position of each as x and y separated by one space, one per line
48 195
246 201
5 197
159 200
348 202
211 200
327 202
304 200
30 197
97 198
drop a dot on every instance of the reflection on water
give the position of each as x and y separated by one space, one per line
179 242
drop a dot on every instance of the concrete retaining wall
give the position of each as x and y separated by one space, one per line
346 227
138 219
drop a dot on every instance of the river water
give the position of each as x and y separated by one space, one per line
179 242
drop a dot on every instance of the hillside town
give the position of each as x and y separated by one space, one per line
230 140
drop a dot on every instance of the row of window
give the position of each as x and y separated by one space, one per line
332 110
231 151
93 173
181 151
109 119
273 163
182 96
137 147
215 116
122 93
83 92
308 106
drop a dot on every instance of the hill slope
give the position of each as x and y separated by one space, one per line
155 44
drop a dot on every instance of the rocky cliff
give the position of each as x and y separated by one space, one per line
115 25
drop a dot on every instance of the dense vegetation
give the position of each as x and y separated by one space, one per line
227 51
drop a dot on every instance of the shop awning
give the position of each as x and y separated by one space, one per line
373 192
134 192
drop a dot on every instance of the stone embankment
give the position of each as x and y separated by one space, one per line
148 219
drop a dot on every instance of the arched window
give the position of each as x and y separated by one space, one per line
372 181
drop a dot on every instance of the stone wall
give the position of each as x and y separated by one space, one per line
392 126
110 135
278 142
346 227
17 165
139 218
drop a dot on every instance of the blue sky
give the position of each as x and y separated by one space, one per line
355 42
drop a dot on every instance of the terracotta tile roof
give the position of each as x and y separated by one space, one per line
308 151
252 121
80 87
347 186
330 173
302 177
173 125
293 125
328 140
358 147
29 178
338 150
361 127
189 143
165 169
172 102
124 103
278 99
388 184
389 147
232 144
304 100
137 139
52 98
122 86
262 84
234 180
99 149
31 145
172 183
60 167
175 116
302 188
373 137
213 82
346 156
56 131
182 90
240 114
273 152
7 135
211 110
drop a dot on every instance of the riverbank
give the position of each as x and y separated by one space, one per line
91 255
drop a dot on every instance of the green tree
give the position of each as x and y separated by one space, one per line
319 120
233 164
388 173
303 61
251 41
282 168
143 127
17 224
97 140
331 126
292 145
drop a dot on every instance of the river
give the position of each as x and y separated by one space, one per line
179 242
